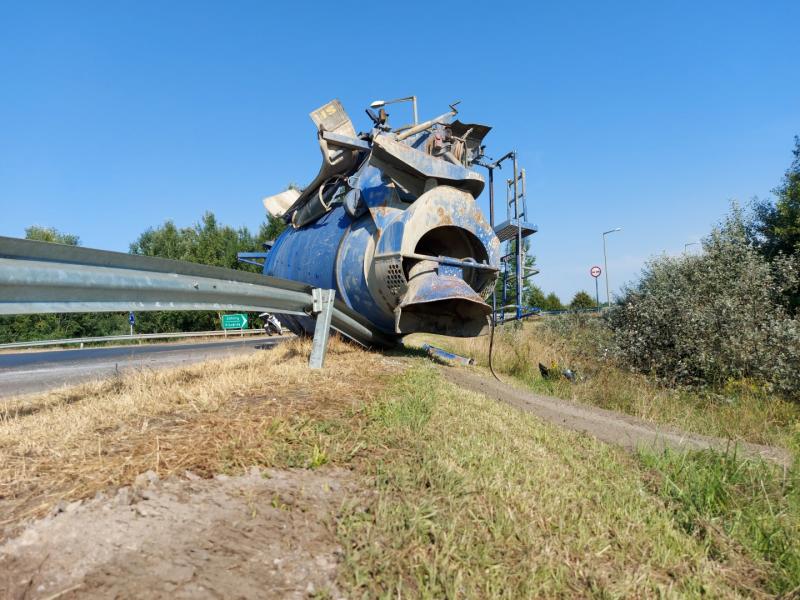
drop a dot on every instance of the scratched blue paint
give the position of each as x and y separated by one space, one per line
350 278
309 254
427 166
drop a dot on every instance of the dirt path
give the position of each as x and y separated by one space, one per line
605 425
265 532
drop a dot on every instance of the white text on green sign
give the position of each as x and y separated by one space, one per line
236 321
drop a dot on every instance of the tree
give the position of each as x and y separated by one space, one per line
528 287
271 229
582 300
552 302
51 234
776 226
535 297
206 242
16 328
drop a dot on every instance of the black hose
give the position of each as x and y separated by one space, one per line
491 338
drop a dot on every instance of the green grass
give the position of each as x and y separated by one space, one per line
477 500
720 498
466 497
460 496
735 508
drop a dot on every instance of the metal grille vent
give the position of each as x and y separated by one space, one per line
394 279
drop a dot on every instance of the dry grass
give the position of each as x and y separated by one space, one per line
212 417
740 412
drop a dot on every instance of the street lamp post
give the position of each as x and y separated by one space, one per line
412 99
686 246
605 263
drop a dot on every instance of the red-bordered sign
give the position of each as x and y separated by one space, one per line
595 271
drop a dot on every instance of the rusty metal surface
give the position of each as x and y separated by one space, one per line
448 358
440 302
335 159
424 166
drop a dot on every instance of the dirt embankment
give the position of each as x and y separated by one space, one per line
228 537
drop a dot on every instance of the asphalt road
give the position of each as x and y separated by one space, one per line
29 372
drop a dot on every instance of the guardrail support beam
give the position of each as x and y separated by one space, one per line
323 308
39 277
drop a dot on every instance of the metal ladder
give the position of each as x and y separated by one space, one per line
512 232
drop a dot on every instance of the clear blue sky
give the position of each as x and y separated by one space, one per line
115 116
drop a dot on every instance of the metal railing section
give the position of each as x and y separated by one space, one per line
40 277
132 338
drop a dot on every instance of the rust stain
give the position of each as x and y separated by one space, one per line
444 218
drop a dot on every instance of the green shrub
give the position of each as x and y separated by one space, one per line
715 317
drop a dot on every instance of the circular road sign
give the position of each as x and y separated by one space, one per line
595 272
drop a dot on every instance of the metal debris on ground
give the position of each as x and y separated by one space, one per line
443 356
554 372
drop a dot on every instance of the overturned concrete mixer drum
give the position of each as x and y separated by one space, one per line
390 222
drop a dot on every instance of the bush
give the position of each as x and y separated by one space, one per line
713 318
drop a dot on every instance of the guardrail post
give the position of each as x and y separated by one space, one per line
323 308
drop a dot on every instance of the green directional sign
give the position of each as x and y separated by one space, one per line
236 321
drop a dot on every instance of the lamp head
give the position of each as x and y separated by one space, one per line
378 104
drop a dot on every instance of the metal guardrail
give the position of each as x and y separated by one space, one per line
510 317
568 311
40 277
125 338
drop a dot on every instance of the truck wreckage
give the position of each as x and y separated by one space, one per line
386 240
391 224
